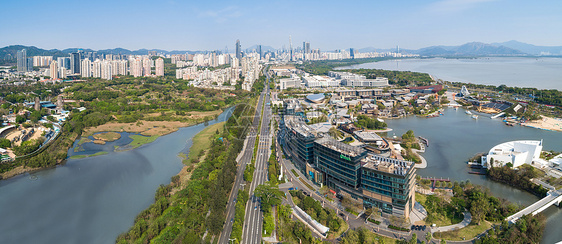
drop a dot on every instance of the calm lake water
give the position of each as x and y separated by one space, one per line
455 137
91 200
542 73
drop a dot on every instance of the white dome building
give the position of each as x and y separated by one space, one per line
514 152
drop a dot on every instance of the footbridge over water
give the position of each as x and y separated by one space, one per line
552 198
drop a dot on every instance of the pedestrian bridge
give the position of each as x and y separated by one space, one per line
552 197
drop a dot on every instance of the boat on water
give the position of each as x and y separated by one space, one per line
474 116
508 124
467 112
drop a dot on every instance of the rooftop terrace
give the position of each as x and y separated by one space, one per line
388 165
297 124
340 146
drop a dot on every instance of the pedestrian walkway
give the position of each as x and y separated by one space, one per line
423 163
418 213
465 222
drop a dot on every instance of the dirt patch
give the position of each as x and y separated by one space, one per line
148 128
100 142
151 128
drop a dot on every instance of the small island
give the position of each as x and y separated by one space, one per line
107 137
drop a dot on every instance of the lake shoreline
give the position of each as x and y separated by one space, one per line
119 127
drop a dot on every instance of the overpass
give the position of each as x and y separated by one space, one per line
552 197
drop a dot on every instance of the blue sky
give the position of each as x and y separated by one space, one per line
328 25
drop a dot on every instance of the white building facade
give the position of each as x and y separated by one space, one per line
515 152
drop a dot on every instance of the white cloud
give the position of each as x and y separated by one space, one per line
453 6
222 15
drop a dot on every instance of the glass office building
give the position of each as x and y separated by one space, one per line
353 172
340 164
299 141
388 184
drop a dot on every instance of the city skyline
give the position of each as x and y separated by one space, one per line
172 25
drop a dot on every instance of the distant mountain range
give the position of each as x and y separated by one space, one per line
469 49
510 48
531 49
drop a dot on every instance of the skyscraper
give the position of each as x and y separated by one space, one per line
29 64
86 68
260 51
352 53
96 68
54 70
159 67
305 50
147 66
75 63
136 67
238 50
290 48
22 60
106 70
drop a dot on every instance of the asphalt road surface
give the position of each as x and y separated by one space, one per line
253 220
239 181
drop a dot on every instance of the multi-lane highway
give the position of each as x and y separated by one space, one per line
253 220
239 181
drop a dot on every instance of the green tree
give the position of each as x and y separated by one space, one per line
335 133
20 119
5 143
479 208
269 194
414 239
35 116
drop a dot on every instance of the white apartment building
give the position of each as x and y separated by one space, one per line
159 67
86 68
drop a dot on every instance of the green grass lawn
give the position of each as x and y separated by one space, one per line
201 141
107 136
420 198
84 140
440 219
306 184
295 173
468 232
139 140
87 156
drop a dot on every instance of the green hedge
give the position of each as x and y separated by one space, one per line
398 228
